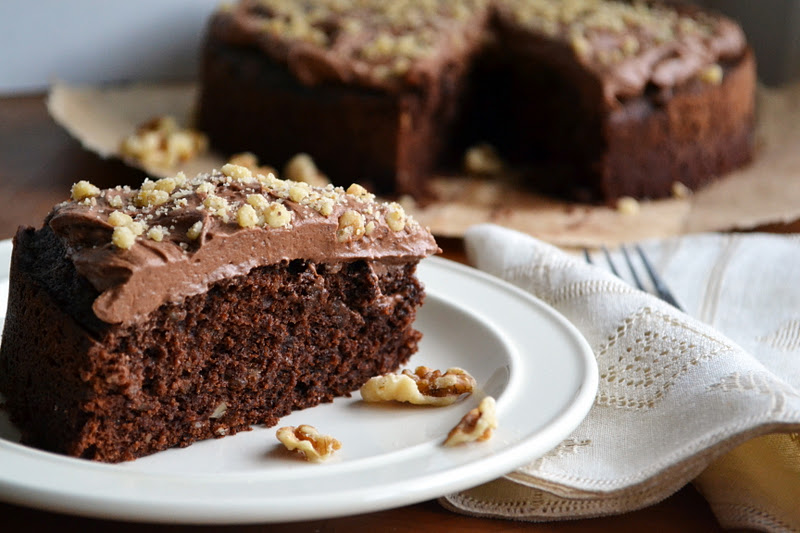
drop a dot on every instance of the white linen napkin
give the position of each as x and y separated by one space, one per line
675 393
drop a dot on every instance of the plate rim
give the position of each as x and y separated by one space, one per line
244 511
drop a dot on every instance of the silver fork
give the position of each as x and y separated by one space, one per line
659 287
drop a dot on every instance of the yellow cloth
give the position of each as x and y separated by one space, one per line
757 485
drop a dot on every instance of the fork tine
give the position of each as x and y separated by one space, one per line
611 265
662 290
635 276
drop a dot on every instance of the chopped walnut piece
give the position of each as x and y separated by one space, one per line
237 172
483 159
314 446
118 218
712 74
302 168
247 217
195 230
679 190
421 387
151 197
115 201
205 188
157 233
360 192
477 425
161 142
277 216
628 205
83 189
299 191
249 160
396 217
351 226
123 237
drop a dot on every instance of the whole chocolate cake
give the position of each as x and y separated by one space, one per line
140 320
597 99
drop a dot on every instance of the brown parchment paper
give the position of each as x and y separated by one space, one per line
767 191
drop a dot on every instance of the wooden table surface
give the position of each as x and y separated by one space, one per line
38 164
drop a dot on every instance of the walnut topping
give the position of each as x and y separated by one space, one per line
217 205
249 160
205 187
277 216
160 142
83 189
115 201
299 191
195 230
237 172
483 159
302 168
351 226
421 387
396 217
360 192
247 217
125 229
712 74
679 190
477 425
157 233
152 197
123 237
305 439
118 218
628 205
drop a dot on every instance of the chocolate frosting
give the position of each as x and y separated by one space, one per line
135 281
625 45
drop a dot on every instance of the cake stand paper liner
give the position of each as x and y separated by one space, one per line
766 191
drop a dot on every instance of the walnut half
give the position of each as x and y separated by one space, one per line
421 387
314 446
476 425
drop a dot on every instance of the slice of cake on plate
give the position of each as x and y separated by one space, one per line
140 320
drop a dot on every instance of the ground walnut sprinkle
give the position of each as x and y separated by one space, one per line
180 211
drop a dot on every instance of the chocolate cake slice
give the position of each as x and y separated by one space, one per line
140 320
594 99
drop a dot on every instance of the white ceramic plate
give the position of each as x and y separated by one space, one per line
537 366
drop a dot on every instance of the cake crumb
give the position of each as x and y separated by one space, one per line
476 426
309 442
628 206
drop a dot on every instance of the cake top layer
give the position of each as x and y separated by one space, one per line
399 43
174 237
